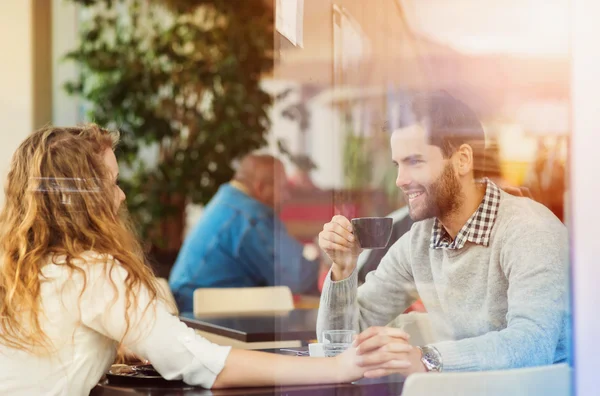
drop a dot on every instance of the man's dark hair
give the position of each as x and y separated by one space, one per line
449 123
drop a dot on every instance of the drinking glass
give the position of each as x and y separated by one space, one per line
337 341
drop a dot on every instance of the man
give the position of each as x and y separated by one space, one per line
489 165
490 268
239 240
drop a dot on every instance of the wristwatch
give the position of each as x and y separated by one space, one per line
431 358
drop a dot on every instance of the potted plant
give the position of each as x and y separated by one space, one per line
180 80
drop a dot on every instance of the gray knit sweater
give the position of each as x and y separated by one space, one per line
496 307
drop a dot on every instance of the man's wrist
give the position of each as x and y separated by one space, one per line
339 274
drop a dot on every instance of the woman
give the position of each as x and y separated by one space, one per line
74 286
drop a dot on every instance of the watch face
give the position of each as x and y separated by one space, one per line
431 359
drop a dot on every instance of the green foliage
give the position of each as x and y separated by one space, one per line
393 193
357 160
179 78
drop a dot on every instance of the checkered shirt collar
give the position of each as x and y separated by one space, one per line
477 229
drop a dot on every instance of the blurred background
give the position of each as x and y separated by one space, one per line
195 85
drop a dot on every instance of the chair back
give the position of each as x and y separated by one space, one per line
246 301
554 380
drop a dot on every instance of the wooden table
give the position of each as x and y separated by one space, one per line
362 389
299 324
384 386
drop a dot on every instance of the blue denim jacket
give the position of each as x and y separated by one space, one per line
239 242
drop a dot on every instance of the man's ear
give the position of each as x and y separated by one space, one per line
258 187
464 159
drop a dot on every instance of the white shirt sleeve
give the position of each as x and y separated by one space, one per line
174 349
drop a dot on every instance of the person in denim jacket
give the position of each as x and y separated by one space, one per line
240 240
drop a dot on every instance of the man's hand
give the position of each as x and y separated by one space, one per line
340 244
390 347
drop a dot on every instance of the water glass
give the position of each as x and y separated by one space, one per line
337 341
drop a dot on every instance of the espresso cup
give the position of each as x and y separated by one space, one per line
372 232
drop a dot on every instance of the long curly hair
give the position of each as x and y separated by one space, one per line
60 202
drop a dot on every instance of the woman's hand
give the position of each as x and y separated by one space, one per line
377 352
385 351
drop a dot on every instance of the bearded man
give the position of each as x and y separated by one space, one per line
491 268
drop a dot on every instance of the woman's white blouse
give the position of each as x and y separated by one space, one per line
85 324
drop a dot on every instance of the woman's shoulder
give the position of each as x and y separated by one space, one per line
87 257
90 264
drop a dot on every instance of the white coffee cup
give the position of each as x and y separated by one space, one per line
316 350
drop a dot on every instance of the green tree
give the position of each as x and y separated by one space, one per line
179 79
356 157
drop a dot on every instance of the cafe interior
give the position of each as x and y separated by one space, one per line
287 114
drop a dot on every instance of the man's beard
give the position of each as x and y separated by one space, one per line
442 197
